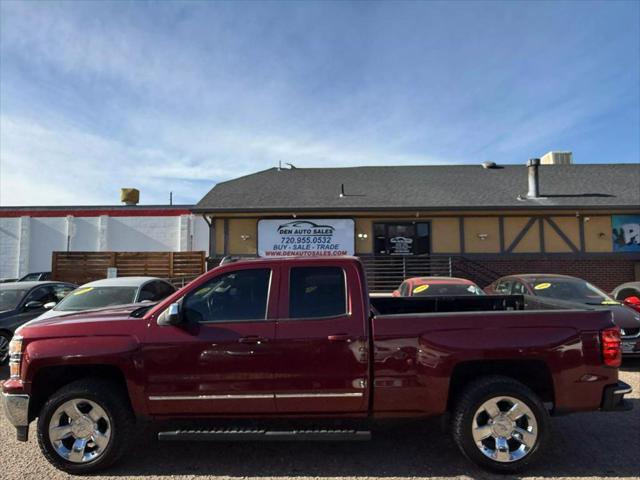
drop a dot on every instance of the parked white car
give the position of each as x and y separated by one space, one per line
110 292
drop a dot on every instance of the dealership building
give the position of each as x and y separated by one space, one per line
478 221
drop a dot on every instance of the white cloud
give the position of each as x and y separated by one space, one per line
60 164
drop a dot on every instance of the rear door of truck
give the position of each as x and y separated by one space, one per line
321 339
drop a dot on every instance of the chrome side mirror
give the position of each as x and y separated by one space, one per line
50 305
171 316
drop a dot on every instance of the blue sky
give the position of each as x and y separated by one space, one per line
178 96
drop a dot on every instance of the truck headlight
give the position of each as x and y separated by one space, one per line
15 356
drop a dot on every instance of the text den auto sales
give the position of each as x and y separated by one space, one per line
306 231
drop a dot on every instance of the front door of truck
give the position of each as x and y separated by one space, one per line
322 350
220 359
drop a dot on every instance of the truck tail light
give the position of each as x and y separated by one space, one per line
15 357
611 349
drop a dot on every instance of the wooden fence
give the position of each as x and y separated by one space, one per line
83 267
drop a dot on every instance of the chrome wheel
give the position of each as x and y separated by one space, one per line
4 349
79 430
504 429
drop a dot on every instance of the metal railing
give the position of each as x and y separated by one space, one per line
474 270
386 273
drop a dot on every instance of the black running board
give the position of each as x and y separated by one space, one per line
248 435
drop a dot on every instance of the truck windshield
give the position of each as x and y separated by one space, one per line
10 297
86 298
571 290
444 289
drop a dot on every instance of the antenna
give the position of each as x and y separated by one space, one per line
291 165
342 194
170 198
279 165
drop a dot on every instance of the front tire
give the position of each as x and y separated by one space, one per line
500 424
85 426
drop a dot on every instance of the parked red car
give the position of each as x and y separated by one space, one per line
297 345
629 294
437 286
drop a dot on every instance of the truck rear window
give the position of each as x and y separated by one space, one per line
317 292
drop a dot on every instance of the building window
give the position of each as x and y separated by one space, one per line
402 238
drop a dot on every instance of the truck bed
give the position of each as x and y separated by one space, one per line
420 343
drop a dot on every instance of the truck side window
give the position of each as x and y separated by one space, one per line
239 295
317 292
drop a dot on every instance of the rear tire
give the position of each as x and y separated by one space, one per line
500 424
95 432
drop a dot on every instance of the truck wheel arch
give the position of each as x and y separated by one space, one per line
535 374
48 380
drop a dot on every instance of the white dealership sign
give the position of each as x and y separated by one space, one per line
306 237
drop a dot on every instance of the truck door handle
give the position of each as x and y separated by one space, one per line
253 339
339 337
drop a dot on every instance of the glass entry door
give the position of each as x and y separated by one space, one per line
401 238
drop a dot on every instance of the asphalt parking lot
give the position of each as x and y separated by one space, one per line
592 445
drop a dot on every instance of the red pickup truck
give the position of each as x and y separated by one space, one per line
294 349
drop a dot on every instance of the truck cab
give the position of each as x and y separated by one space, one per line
263 337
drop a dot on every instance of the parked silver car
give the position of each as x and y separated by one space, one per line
110 292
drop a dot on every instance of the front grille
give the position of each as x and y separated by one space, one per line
630 332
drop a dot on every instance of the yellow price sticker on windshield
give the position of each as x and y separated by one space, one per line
82 290
610 302
420 288
542 286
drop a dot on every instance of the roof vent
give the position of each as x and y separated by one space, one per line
534 179
557 158
487 165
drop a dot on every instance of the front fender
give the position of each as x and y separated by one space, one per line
116 351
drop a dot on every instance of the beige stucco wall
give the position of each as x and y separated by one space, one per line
445 235
530 243
364 245
445 232
239 227
474 228
597 233
219 226
554 243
